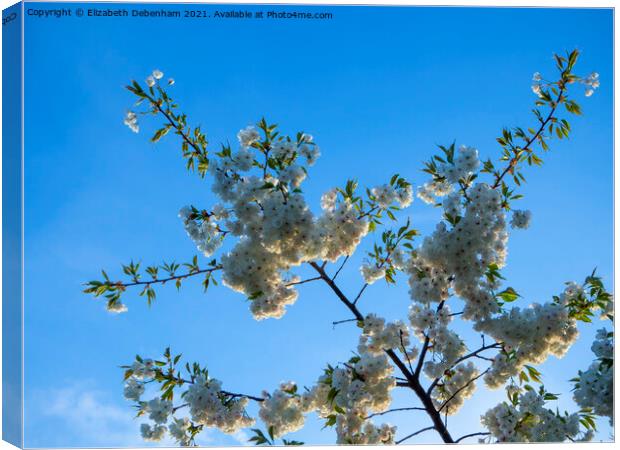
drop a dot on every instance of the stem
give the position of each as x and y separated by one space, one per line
164 280
471 435
251 397
413 434
303 281
443 405
340 268
174 124
414 408
338 322
515 159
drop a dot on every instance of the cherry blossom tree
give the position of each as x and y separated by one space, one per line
271 231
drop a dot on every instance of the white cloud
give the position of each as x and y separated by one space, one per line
82 415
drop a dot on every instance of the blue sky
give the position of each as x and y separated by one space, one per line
378 88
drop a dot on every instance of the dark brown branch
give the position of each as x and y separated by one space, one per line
338 322
413 408
294 283
235 395
176 408
340 268
359 294
343 298
413 434
418 368
402 344
414 382
471 435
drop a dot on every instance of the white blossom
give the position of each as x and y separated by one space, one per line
521 219
248 136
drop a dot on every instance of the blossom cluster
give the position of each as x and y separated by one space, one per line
457 386
344 396
283 410
591 82
446 344
205 233
210 407
269 215
521 219
458 255
529 335
594 387
262 205
529 421
378 337
207 403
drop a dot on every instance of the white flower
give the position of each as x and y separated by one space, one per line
131 120
248 136
521 219
158 74
152 434
371 272
404 196
159 410
328 200
116 307
150 81
133 390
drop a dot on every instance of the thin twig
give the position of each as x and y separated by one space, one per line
359 294
443 405
164 280
402 344
463 358
235 395
471 435
414 434
515 159
338 322
413 408
340 268
294 283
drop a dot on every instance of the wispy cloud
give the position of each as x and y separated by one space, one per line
81 415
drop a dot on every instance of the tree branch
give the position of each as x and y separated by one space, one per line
413 434
338 322
515 159
461 359
471 435
303 281
414 408
443 405
340 268
413 381
164 280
